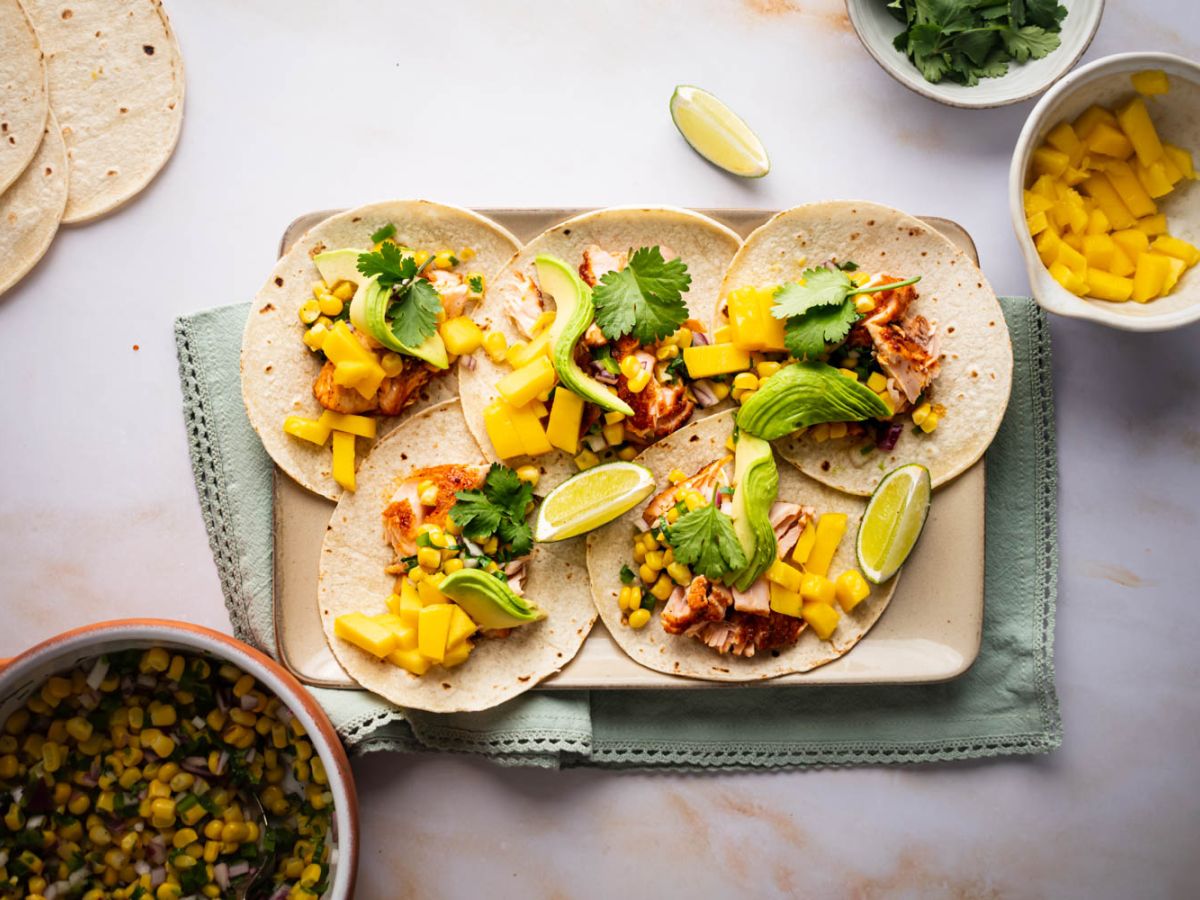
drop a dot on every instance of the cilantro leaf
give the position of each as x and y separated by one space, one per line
644 299
820 287
1029 42
389 263
412 312
705 540
475 283
807 335
382 234
498 508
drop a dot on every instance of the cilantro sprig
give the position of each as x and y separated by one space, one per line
413 303
644 299
820 310
965 40
704 539
383 233
498 508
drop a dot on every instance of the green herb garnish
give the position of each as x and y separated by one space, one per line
475 283
644 299
498 508
414 304
627 575
965 40
705 540
820 309
382 234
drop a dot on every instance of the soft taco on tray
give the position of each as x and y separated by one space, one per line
586 330
858 338
431 592
738 569
361 323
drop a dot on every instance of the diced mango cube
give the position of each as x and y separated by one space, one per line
1074 176
1047 244
412 660
461 335
1048 161
433 627
1180 249
784 575
1181 159
751 323
501 431
1037 223
1121 176
360 426
341 346
429 593
1150 82
406 635
457 655
706 360
1097 223
1135 122
816 588
822 617
1132 241
522 385
410 603
1153 226
1036 203
1090 118
1109 141
1177 267
566 419
343 459
1154 179
520 355
1045 187
461 627
784 601
529 430
1062 137
1150 276
365 633
851 589
1106 286
1071 258
804 545
1101 190
1121 263
1068 279
313 430
1098 250
830 528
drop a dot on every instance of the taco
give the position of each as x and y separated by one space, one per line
431 591
904 354
606 377
739 569
360 324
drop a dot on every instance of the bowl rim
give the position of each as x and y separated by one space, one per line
14 670
1049 294
922 87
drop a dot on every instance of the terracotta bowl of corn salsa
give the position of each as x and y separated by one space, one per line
152 759
1104 194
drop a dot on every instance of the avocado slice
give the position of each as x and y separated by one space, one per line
756 484
375 302
487 600
573 301
339 265
807 393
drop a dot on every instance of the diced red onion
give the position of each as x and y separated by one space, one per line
239 868
467 362
596 442
887 442
157 876
704 393
222 762
249 701
221 874
98 673
700 339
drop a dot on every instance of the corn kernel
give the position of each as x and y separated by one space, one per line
495 344
679 573
851 589
638 382
627 453
745 381
587 459
864 303
921 413
672 515
663 587
816 588
639 618
666 351
429 558
330 305
309 312
930 423
766 369
391 363
529 474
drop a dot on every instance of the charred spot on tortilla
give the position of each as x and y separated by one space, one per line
148 49
278 281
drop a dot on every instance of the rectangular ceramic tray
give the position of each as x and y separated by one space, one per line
930 631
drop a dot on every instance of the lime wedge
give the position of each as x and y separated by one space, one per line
893 521
717 133
590 499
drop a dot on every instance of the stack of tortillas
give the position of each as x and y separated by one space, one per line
91 103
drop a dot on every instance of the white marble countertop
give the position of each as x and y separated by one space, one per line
293 106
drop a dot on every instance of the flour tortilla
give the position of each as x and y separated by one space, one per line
116 85
706 246
611 547
976 354
23 100
352 578
31 209
278 371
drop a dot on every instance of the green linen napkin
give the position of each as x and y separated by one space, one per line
1004 704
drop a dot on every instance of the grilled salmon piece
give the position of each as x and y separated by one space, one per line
703 481
405 514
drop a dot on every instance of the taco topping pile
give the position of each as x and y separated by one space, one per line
838 354
737 569
384 322
602 373
462 544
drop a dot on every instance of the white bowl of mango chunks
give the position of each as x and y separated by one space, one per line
1108 84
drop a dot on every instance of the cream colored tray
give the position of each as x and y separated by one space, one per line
930 632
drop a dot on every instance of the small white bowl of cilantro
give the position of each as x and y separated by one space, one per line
974 55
